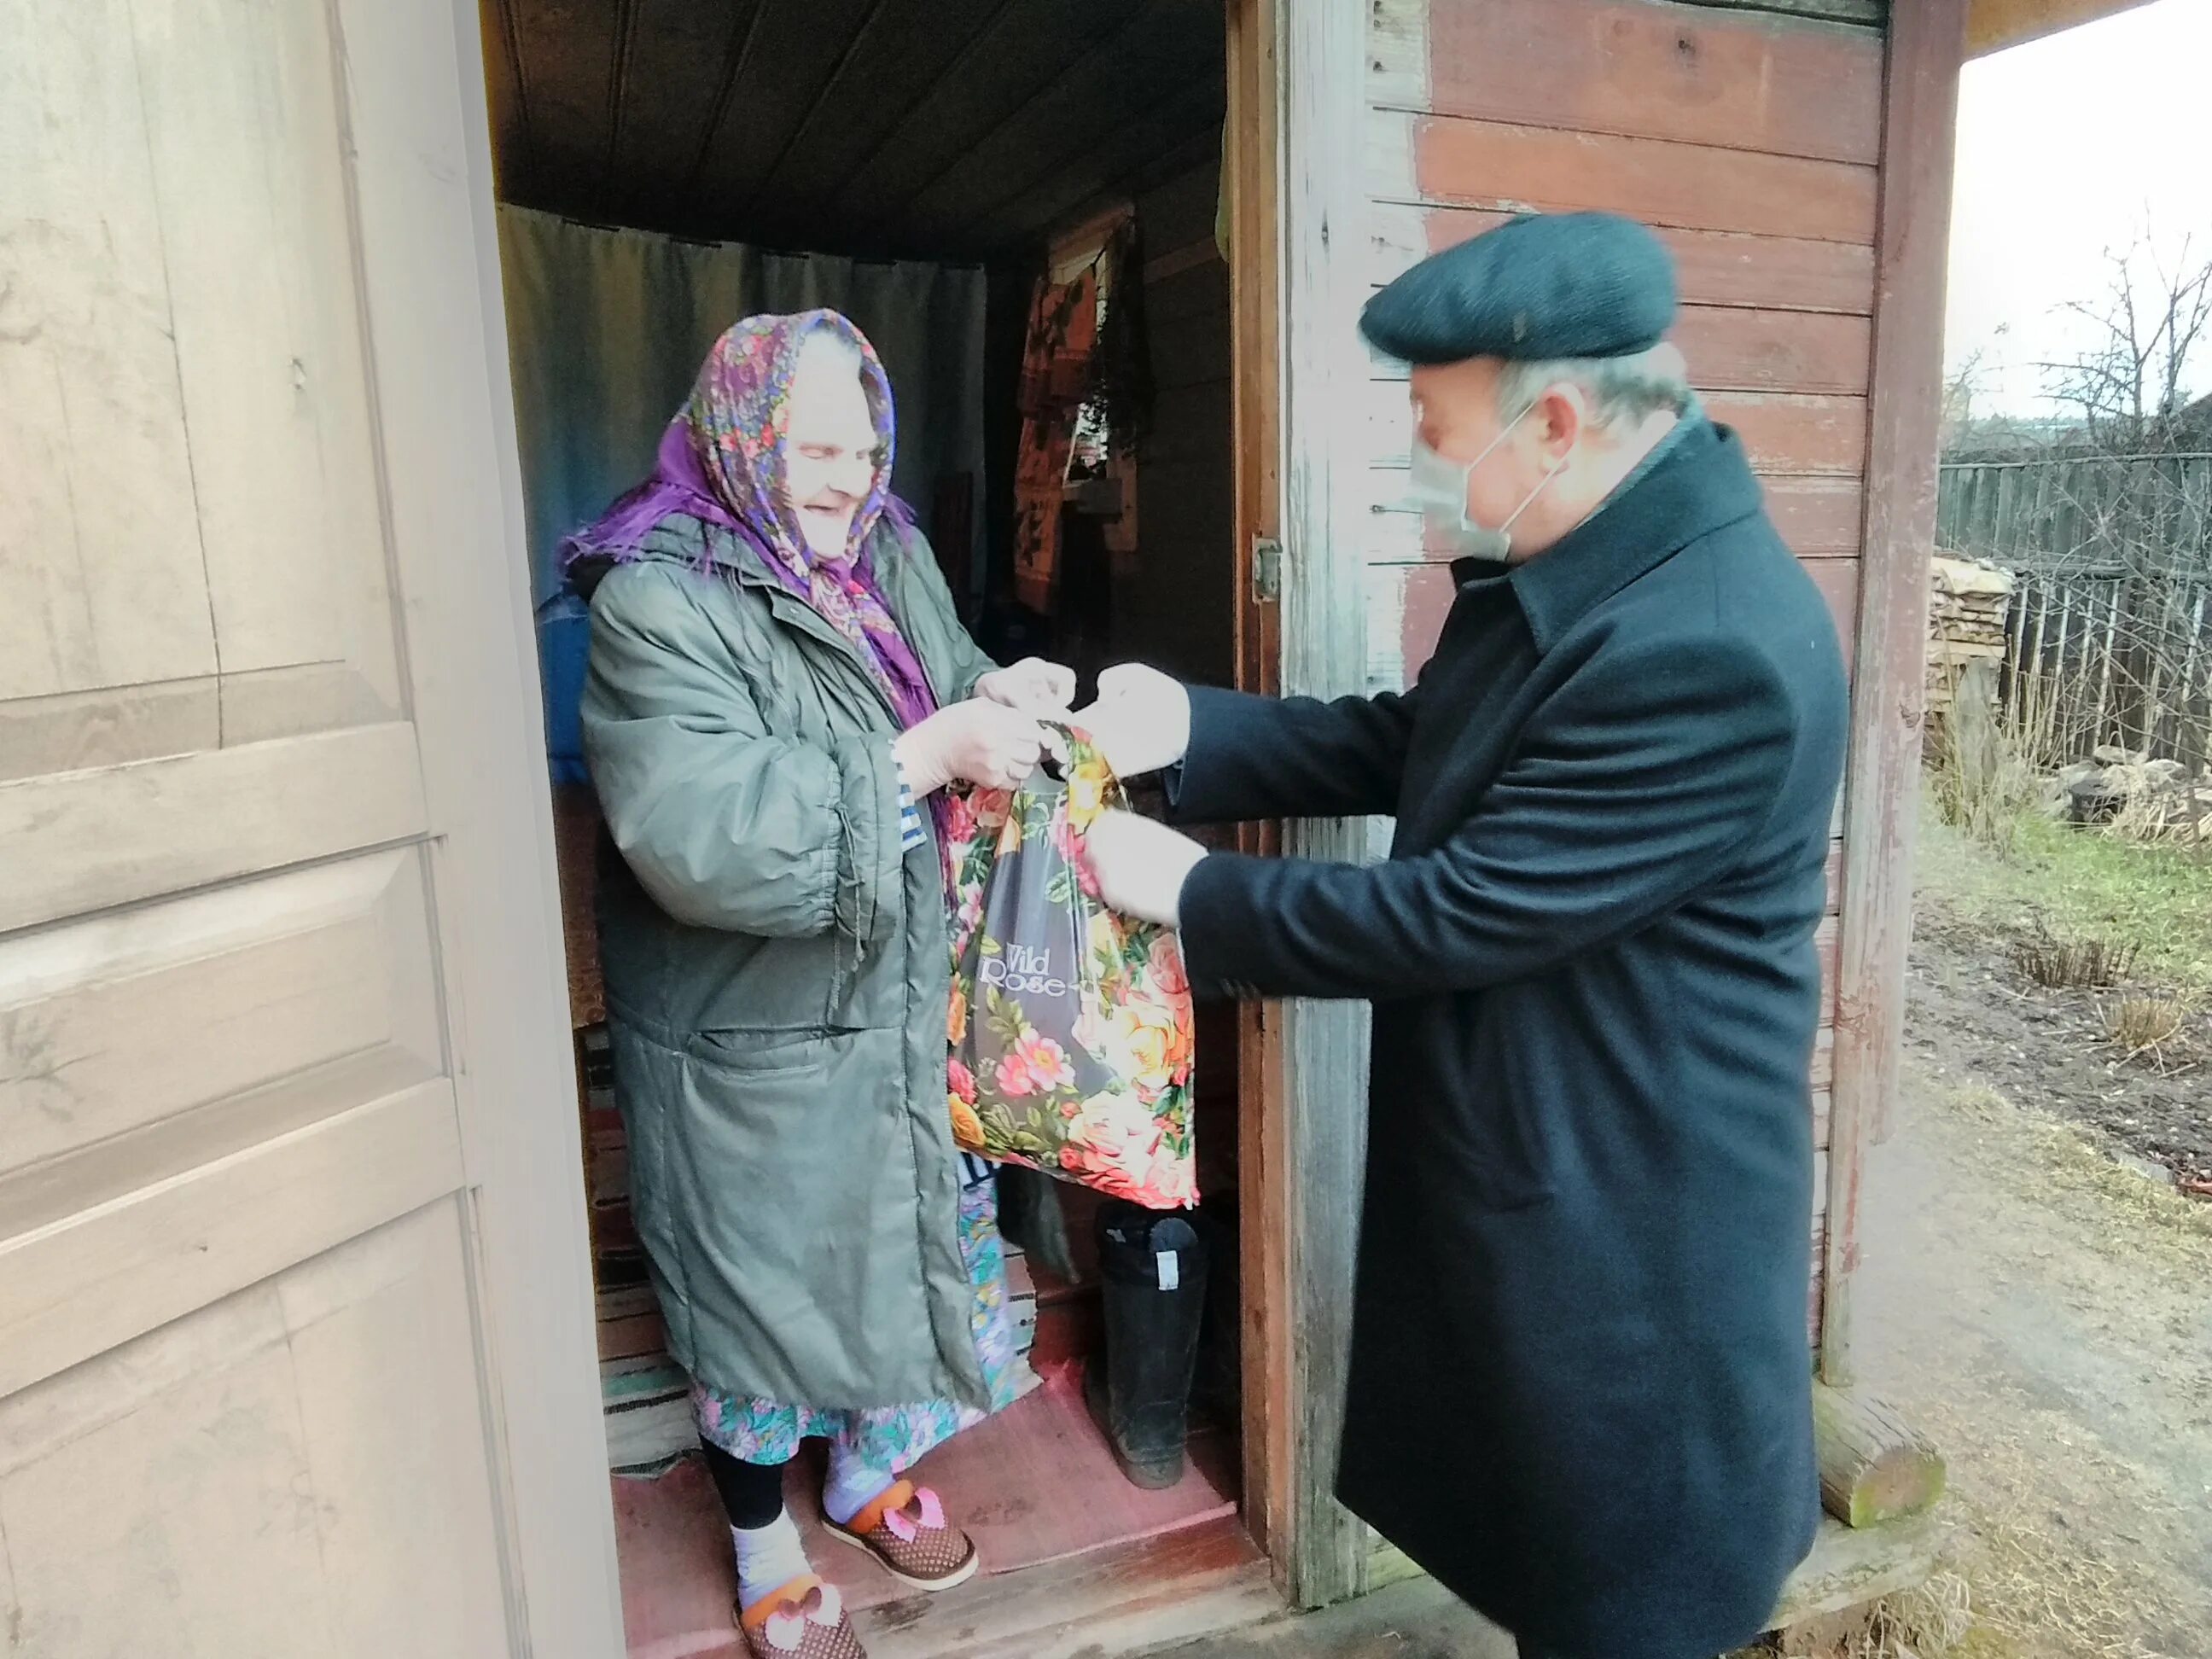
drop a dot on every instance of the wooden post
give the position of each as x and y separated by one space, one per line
1874 1467
2065 699
1251 163
1927 41
2043 681
1970 730
2120 594
1313 1148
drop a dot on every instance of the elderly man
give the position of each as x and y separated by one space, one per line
1580 1385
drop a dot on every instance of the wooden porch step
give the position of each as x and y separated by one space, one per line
645 1395
1851 1566
1848 1567
647 1402
1154 1594
1066 1542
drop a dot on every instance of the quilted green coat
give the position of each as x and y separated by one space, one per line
777 974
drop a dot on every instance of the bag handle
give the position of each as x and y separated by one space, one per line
1074 743
1077 746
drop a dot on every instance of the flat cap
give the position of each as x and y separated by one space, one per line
1544 285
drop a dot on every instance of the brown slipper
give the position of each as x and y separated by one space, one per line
905 1529
803 1619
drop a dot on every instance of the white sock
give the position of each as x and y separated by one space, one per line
851 1487
769 1557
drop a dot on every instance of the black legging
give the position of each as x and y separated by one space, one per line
752 1493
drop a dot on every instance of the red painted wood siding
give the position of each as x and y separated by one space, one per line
1752 143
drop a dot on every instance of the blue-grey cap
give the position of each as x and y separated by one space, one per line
1545 285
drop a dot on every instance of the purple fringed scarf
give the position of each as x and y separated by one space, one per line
722 461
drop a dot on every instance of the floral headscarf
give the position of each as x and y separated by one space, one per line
723 459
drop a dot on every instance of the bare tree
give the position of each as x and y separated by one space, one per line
2127 384
2110 530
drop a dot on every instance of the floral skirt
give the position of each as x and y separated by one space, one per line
754 1430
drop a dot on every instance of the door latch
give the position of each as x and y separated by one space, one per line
1266 570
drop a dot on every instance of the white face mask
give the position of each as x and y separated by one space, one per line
1438 487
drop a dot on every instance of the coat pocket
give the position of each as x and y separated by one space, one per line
768 1053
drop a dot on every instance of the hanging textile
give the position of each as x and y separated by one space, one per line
1121 395
1084 397
1063 337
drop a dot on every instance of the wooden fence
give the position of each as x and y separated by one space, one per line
2109 638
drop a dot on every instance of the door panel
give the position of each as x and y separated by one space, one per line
277 1222
188 482
117 1024
231 1474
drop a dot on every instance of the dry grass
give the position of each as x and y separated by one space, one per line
2150 818
2067 964
1928 1622
1985 797
2145 1025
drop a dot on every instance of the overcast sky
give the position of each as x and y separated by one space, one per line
2068 146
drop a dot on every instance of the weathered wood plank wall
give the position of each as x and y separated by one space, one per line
1752 141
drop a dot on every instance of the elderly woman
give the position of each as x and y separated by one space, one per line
779 691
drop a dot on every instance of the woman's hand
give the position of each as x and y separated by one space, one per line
1032 685
1141 721
978 741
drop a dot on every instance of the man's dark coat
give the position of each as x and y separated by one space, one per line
1580 1384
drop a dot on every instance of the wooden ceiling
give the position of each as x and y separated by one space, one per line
946 128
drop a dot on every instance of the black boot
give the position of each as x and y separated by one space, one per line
1153 1273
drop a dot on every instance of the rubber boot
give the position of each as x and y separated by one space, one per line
1152 1270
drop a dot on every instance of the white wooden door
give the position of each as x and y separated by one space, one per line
295 1327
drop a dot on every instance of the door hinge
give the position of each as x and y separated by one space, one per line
1266 570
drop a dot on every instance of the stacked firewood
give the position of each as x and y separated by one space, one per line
1966 606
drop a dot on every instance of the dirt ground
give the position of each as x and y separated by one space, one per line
2036 1295
1976 1017
2043 1308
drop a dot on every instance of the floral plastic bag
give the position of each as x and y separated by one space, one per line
1071 1025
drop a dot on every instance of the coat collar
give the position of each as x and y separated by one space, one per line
1702 483
683 539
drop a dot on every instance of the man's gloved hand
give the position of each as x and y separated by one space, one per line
978 741
1141 721
1032 685
1141 866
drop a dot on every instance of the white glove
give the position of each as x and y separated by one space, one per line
1141 866
1141 721
1032 685
974 742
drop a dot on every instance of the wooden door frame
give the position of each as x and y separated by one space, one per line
1925 45
1297 108
412 69
1296 97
